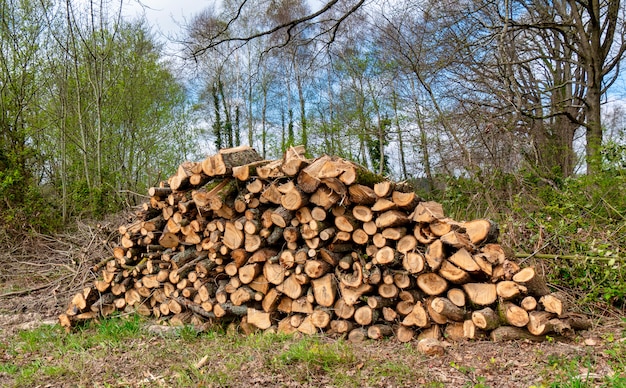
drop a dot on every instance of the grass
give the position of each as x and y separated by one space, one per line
121 352
314 354
578 372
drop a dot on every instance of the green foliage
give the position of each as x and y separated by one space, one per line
374 147
24 206
40 355
584 218
33 340
11 182
291 137
217 121
614 156
401 372
86 122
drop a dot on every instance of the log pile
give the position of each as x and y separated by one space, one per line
312 245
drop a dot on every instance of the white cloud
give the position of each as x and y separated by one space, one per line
167 16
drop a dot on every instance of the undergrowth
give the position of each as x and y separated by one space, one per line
573 229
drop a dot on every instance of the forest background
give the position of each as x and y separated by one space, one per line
506 110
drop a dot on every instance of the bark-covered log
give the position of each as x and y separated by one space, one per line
533 282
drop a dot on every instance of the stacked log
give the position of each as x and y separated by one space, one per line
316 245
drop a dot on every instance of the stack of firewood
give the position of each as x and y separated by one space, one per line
316 245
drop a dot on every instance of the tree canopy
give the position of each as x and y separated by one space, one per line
91 111
94 111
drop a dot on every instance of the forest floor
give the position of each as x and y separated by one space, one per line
40 273
133 352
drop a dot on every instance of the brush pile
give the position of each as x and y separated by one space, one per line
313 245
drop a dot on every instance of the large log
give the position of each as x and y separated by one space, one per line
428 212
233 237
508 289
228 158
352 295
405 201
413 262
540 322
448 309
404 333
430 347
435 255
361 195
486 319
323 197
556 303
464 260
457 240
246 171
457 296
320 318
510 333
383 204
365 315
482 294
417 317
316 268
180 180
294 199
362 213
391 218
379 331
453 273
343 310
534 283
291 287
294 160
513 314
481 231
260 319
270 170
324 290
432 284
308 178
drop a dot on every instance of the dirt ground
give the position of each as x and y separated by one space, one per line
587 358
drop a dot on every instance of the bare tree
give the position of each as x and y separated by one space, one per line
330 15
541 66
569 56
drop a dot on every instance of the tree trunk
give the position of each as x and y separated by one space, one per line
594 125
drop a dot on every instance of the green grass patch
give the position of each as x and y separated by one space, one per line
578 372
397 371
315 354
9 368
119 328
44 337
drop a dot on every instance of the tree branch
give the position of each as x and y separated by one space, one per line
215 41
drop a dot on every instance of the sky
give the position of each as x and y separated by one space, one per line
166 15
